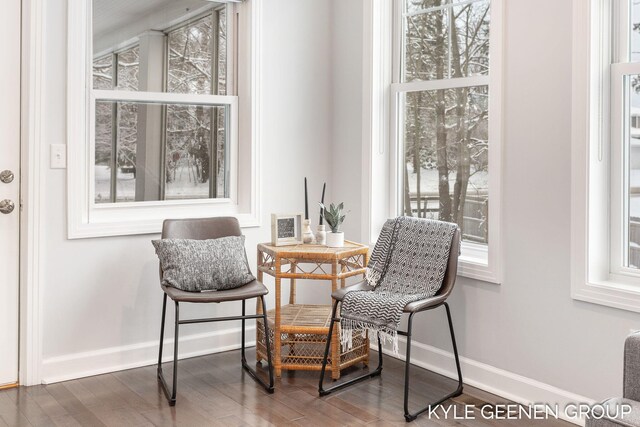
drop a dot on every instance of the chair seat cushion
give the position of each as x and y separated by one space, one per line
252 289
203 265
613 406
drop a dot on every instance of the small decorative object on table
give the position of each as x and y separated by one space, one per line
286 229
334 218
307 234
321 233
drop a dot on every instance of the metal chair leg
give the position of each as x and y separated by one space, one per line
171 397
164 313
455 349
242 338
252 372
407 415
321 390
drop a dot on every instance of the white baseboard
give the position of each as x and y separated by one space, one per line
509 385
85 364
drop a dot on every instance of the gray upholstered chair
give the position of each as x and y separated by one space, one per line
630 393
202 229
412 309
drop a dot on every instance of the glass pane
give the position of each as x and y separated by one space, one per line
634 37
137 160
633 165
103 73
104 145
128 69
179 44
195 156
222 52
414 6
115 151
127 144
445 163
191 57
436 49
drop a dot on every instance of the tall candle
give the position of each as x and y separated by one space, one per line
306 200
324 187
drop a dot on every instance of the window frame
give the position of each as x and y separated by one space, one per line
598 225
85 218
477 261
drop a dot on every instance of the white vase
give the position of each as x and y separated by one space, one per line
335 240
321 235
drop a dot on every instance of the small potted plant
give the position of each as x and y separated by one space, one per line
334 217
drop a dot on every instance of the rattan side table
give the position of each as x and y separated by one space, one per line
300 331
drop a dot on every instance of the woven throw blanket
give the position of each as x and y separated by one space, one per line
407 264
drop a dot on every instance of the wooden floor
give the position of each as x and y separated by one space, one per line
213 391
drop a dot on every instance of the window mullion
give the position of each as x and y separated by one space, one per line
621 23
114 132
617 179
215 90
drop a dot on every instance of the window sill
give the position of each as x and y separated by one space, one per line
147 218
609 293
475 263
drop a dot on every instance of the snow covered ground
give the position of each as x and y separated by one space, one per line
184 186
126 185
478 182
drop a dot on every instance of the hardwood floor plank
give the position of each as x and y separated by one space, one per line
31 410
214 391
10 412
46 402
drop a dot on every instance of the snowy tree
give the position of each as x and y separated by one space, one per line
445 130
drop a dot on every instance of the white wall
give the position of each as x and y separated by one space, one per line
529 325
346 163
101 297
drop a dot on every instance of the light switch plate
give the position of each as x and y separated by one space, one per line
58 156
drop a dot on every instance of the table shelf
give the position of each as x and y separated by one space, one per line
303 337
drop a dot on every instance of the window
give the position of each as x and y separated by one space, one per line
190 138
606 169
166 125
445 119
625 139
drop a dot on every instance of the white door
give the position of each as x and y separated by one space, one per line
9 188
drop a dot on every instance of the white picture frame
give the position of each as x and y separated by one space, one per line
286 229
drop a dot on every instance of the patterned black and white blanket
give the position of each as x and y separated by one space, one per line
407 264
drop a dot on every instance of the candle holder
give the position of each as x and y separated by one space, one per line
307 234
321 235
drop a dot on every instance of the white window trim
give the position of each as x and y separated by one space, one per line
86 219
592 259
381 142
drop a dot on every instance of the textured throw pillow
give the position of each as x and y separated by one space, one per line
203 265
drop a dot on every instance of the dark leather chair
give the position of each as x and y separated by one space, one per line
203 229
412 309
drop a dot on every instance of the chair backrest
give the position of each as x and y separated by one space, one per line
200 228
452 267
